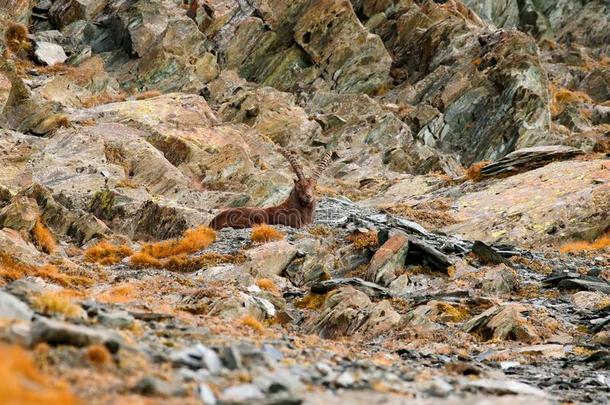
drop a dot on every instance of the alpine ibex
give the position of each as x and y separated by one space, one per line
296 211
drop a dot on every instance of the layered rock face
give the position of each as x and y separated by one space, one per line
459 249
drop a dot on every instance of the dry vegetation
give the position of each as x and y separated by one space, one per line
106 253
252 323
432 214
16 37
24 384
265 233
312 301
474 171
561 98
267 284
12 269
56 303
192 241
43 237
364 240
103 98
603 242
98 354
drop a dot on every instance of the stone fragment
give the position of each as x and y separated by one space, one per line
49 53
388 259
504 322
241 394
499 280
197 357
56 332
269 259
13 308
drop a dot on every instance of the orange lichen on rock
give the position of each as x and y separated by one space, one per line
252 323
603 242
474 171
106 253
265 233
44 238
24 384
192 241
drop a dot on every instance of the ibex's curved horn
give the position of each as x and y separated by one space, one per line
294 163
322 165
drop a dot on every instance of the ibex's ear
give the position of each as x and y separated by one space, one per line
295 180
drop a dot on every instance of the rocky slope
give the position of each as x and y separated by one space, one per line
460 247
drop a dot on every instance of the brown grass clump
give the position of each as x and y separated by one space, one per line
192 241
87 70
321 230
364 240
56 303
16 37
265 233
98 354
432 214
147 94
106 253
603 242
103 98
474 171
312 301
267 284
11 269
24 384
252 323
562 97
44 238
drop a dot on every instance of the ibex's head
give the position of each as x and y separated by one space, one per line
305 187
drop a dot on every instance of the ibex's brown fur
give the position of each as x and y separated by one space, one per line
296 211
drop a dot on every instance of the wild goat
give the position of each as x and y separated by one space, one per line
296 211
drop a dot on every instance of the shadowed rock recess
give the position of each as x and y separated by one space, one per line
460 246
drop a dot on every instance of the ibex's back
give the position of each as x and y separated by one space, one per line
297 210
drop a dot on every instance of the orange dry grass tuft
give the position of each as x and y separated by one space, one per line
24 384
56 303
252 323
98 354
265 233
267 284
144 260
474 171
312 301
118 294
12 269
603 242
44 237
364 240
106 253
192 241
562 97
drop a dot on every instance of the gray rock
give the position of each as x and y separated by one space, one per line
206 394
49 53
12 308
197 357
116 319
241 394
56 332
152 387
